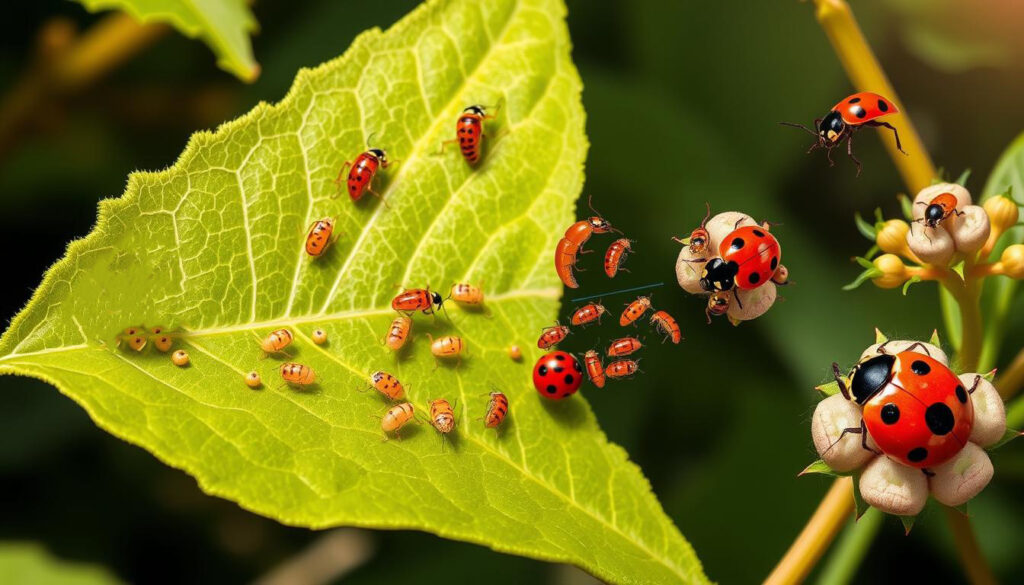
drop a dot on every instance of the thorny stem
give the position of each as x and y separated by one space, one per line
835 509
866 73
917 170
65 69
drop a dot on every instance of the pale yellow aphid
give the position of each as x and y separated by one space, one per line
447 347
252 379
276 341
297 374
180 358
395 418
467 294
319 336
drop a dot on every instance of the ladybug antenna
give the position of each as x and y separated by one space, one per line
802 127
708 216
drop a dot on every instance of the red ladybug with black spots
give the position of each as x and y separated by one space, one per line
557 375
914 407
748 257
362 171
853 113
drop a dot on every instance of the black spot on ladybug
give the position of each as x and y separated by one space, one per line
775 262
917 455
890 414
754 278
569 378
737 244
854 100
559 369
551 389
758 233
939 418
542 370
961 394
883 106
859 111
560 357
920 368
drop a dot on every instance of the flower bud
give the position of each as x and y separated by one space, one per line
753 303
961 478
970 229
1013 261
832 416
1002 211
893 487
932 245
894 271
892 238
989 411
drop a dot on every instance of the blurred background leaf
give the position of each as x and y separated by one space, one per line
682 103
224 25
29 564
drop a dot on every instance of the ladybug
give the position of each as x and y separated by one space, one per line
939 209
557 375
469 132
749 257
914 407
360 176
854 112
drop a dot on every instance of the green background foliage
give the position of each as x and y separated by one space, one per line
224 25
29 564
681 106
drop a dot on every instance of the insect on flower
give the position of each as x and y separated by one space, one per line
699 238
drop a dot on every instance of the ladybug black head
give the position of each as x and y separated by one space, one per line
478 110
438 300
933 214
718 275
380 154
871 376
600 224
832 128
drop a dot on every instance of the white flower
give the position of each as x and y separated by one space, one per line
965 232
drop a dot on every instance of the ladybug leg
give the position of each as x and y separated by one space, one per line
882 349
369 187
977 380
828 154
445 144
736 296
849 152
918 344
895 133
840 380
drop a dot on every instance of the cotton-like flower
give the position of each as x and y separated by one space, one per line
970 229
752 303
965 231
933 245
885 482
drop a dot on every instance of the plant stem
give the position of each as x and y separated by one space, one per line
1011 380
967 295
978 571
67 69
834 510
866 73
853 545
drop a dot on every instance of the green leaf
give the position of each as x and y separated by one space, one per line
860 506
911 281
880 337
962 179
828 389
224 25
215 245
821 467
1008 435
866 229
867 274
934 339
23 563
998 293
907 205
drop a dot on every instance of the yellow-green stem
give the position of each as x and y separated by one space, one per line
978 571
834 510
1011 378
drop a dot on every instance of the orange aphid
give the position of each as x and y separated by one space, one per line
297 374
615 255
398 334
552 335
621 369
448 346
594 369
387 385
397 417
624 346
667 325
467 294
497 409
276 341
635 310
319 237
588 314
441 415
